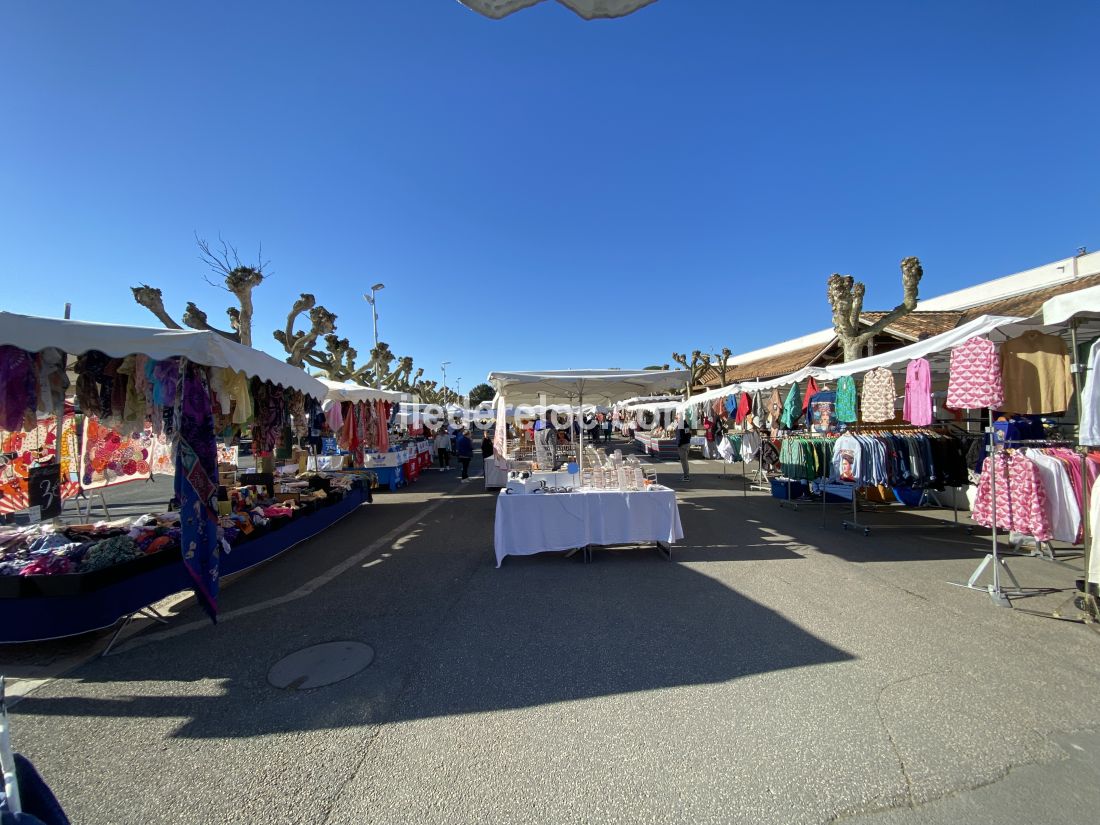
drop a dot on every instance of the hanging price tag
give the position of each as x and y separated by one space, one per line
44 489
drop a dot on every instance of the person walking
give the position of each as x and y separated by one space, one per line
486 445
443 449
683 447
607 428
464 449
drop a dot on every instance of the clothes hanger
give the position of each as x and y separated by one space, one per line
7 757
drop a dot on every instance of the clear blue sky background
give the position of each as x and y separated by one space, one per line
542 192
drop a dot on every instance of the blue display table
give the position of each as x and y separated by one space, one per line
37 618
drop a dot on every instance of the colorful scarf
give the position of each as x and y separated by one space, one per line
196 484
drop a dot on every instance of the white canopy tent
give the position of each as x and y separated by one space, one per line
574 386
941 343
346 391
34 334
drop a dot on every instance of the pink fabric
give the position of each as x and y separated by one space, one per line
1021 498
918 393
975 382
334 416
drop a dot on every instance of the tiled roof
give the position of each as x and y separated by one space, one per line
914 326
764 368
1029 302
917 325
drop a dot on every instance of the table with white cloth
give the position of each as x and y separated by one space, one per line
539 522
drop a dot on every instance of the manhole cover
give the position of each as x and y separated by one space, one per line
320 665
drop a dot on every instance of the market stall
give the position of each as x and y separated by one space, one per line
987 407
608 503
362 417
58 579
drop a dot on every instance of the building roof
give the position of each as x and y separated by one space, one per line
1029 302
918 324
1021 294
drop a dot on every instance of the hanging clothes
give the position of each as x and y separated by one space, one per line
879 395
847 460
846 399
1090 399
775 409
196 484
1063 505
1021 497
918 393
234 394
744 405
1035 374
759 410
270 416
792 407
811 390
974 380
18 387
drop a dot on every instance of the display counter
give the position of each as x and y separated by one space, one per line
36 608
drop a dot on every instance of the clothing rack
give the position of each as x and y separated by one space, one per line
993 559
888 429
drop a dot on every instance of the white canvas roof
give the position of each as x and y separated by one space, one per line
117 340
982 325
591 385
1083 302
345 391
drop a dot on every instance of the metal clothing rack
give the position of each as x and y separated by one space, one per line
994 559
887 429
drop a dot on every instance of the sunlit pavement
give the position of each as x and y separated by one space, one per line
780 670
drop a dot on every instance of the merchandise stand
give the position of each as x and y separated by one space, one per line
995 558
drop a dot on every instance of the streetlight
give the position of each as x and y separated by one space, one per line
443 367
458 391
370 299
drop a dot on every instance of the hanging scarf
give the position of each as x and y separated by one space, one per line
196 484
18 387
383 429
298 412
270 414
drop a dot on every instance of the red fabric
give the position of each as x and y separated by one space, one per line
743 407
811 390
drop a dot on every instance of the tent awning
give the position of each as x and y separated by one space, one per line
1083 302
591 385
341 391
34 334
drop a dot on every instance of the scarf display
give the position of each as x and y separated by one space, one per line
196 484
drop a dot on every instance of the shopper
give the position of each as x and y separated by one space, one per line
607 427
443 448
464 449
486 445
683 447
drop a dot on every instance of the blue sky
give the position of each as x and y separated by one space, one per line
541 192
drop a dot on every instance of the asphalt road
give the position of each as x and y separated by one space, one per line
778 671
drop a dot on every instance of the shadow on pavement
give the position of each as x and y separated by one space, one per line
453 635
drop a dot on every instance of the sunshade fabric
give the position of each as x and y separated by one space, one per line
591 385
34 334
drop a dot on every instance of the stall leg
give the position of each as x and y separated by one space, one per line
149 612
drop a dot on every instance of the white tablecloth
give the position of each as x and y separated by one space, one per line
495 477
537 522
325 462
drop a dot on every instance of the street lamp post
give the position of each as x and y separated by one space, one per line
443 367
372 300
458 391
